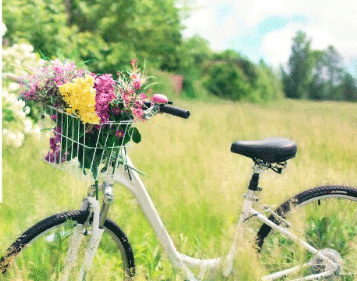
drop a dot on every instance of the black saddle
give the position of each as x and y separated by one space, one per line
270 150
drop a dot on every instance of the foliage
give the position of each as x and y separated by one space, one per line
230 76
298 76
347 89
194 52
109 33
317 74
17 120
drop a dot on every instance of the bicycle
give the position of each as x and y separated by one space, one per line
312 255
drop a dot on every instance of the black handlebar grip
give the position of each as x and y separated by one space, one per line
183 113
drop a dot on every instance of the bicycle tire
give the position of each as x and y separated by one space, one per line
322 227
58 224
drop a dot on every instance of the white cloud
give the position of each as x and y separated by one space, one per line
204 23
276 45
327 22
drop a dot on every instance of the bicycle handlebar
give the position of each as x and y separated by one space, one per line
173 110
176 111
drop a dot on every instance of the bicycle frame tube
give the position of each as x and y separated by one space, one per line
300 241
134 184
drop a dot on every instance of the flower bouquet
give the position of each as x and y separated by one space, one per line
91 115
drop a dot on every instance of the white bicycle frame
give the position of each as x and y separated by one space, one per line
131 180
133 183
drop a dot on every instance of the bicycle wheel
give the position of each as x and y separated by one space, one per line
326 218
40 252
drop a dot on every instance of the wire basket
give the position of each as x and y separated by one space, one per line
88 152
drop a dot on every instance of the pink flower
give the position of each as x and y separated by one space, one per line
116 110
119 134
133 62
134 76
138 112
104 86
137 84
143 96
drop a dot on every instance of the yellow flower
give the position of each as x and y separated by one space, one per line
80 98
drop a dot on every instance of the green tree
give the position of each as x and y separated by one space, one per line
225 80
194 52
156 33
335 72
231 76
110 32
297 78
348 88
318 86
268 86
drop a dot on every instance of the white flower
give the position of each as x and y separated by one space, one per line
28 125
27 48
3 29
11 98
36 131
11 136
13 87
5 132
27 110
17 143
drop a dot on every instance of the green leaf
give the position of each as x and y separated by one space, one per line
135 135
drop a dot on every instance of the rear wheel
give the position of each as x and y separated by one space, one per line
40 252
326 218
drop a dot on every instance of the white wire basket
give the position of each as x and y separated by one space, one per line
88 152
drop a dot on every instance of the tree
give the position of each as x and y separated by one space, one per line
348 88
335 72
318 85
230 75
298 76
109 32
194 52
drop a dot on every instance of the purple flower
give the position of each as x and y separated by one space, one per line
54 155
119 134
104 85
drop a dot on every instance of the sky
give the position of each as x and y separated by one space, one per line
264 29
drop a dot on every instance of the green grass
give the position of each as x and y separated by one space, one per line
194 180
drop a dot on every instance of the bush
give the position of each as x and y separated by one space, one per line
230 76
17 120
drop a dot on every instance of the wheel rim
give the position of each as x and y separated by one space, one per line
44 257
326 222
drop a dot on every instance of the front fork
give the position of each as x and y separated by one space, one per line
96 228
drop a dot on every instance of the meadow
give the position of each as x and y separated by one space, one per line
194 180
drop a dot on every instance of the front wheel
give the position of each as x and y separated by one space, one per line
41 251
326 218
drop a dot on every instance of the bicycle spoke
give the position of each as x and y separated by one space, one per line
330 225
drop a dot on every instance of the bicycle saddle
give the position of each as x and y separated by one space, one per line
270 150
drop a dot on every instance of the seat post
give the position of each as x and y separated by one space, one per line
254 181
258 167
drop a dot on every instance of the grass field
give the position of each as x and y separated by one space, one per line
194 180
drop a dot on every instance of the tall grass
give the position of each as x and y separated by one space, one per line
194 180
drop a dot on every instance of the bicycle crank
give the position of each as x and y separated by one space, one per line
318 265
